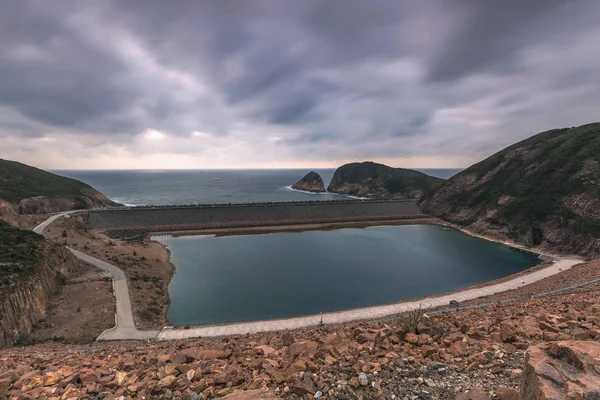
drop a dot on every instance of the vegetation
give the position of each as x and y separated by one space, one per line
393 180
538 174
19 181
19 252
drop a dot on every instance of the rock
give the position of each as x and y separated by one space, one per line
210 354
181 357
51 378
303 347
288 339
311 182
504 393
473 394
265 350
562 370
411 338
304 385
257 394
362 379
507 333
168 381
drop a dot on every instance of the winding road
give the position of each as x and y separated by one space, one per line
125 328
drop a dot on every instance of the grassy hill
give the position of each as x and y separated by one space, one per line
19 252
19 182
544 189
378 180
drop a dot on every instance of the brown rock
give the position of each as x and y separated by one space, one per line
211 354
51 378
562 370
411 338
90 377
550 336
303 347
182 357
288 339
507 333
257 394
168 381
304 386
265 350
473 394
4 386
424 339
504 393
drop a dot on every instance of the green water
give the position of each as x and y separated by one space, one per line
253 277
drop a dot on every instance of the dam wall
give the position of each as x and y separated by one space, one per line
251 214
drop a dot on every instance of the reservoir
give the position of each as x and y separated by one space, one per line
286 274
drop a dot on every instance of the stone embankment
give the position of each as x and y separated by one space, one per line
470 354
252 214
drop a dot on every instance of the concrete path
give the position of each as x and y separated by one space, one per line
126 330
40 228
125 326
364 313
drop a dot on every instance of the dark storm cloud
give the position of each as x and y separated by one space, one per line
378 75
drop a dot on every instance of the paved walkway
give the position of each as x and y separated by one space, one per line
126 330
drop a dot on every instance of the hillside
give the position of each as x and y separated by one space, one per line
31 190
19 253
544 190
369 179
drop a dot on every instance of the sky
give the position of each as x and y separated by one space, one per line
290 84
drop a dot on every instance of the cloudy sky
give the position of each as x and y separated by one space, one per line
285 83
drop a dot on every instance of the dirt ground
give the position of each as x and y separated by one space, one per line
82 309
145 263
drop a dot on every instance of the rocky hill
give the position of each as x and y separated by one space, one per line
544 190
311 182
369 179
29 190
31 270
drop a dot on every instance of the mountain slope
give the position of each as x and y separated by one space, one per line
33 191
369 179
544 190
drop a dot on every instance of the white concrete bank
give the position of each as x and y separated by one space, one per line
125 328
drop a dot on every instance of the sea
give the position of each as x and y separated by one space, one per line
157 187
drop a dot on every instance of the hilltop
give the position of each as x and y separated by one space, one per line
369 179
544 190
29 190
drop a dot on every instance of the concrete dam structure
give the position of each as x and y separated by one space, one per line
135 221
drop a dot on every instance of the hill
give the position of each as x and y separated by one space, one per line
31 190
311 182
544 190
369 179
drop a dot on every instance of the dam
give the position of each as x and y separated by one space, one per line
143 220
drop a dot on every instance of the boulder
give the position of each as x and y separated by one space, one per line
311 182
304 386
562 370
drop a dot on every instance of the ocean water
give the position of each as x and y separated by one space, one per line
155 187
275 275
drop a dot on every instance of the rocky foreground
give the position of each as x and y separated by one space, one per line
470 354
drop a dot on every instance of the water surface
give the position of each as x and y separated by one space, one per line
253 277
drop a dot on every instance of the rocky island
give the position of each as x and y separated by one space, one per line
311 182
29 190
369 179
544 190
